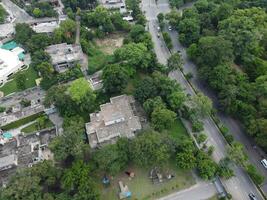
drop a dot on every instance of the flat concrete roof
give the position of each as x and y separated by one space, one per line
6 29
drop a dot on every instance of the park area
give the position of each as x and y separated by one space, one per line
143 188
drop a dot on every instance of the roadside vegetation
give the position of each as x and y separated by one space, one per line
77 171
232 63
3 14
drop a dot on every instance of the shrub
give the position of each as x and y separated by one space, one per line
229 138
197 126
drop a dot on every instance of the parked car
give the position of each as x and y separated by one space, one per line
252 196
264 163
170 28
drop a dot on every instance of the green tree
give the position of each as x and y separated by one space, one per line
214 50
202 104
37 12
150 149
162 118
151 104
186 160
145 89
176 100
206 167
20 79
160 17
167 40
78 183
82 95
46 70
175 62
189 29
112 158
71 143
115 78
254 174
135 55
27 187
23 33
237 154
3 14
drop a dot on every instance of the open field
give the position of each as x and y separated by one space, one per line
110 43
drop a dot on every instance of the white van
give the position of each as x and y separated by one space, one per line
264 163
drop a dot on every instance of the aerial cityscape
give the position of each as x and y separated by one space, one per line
133 99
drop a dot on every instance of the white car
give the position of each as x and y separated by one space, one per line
158 28
170 28
264 163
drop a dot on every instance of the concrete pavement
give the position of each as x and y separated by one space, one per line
17 12
200 191
239 186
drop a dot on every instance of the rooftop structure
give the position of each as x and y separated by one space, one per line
115 119
7 30
8 162
114 4
64 56
9 64
45 27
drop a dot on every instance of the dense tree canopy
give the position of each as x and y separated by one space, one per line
227 41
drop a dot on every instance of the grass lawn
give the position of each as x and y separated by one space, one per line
142 187
21 122
133 83
97 59
177 130
34 127
11 86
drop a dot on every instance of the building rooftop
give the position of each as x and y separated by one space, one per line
115 119
8 62
7 161
46 27
6 30
64 52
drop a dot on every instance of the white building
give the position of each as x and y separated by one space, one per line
9 64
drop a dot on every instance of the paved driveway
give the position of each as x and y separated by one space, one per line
200 191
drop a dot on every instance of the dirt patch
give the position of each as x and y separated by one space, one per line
110 43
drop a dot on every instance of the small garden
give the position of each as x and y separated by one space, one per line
40 120
21 81
41 123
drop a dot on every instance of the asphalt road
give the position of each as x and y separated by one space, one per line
20 14
240 185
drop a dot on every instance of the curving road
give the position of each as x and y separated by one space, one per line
240 185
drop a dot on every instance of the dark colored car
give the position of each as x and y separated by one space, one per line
252 196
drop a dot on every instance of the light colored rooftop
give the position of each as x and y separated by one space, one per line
64 53
46 27
9 61
6 29
115 119
8 160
